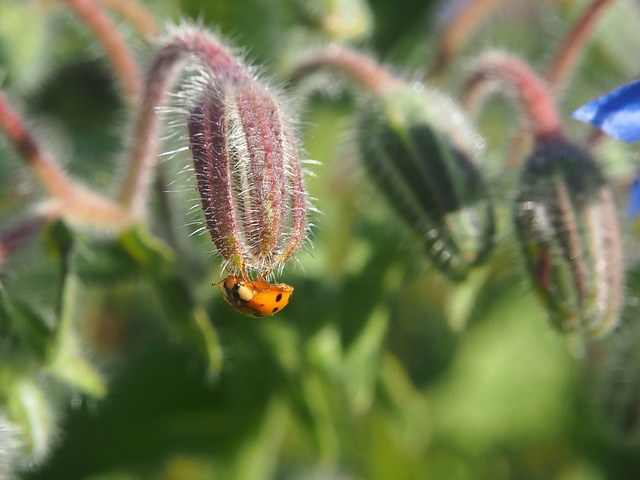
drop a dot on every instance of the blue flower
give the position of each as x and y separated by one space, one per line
633 208
617 113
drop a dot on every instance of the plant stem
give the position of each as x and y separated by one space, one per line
67 199
358 67
13 238
160 78
459 29
137 14
531 91
113 42
51 177
573 45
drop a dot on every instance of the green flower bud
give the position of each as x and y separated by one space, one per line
421 151
567 223
613 381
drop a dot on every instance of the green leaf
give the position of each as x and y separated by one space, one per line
70 367
157 261
148 252
135 252
30 331
362 361
190 320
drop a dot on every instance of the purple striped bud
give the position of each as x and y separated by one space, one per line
567 222
250 180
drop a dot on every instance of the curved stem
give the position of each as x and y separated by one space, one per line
571 48
459 29
47 172
113 42
74 201
185 43
532 93
358 67
137 14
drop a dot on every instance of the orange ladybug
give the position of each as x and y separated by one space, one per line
255 298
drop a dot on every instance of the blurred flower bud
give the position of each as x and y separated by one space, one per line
613 379
247 163
422 152
566 219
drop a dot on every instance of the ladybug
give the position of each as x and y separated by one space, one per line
255 298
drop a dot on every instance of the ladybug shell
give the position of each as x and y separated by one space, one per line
255 298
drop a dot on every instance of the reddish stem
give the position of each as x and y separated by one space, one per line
50 176
532 93
573 45
113 42
137 14
15 237
70 200
358 67
183 44
458 30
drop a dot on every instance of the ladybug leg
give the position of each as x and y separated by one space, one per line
245 275
263 276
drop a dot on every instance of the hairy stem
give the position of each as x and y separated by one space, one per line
569 52
459 29
500 69
51 176
137 14
71 201
563 63
113 42
160 78
356 66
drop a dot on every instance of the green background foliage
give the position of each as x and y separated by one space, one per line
379 368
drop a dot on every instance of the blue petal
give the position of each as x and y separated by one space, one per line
617 113
634 199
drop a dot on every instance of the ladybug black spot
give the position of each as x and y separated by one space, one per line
275 309
279 297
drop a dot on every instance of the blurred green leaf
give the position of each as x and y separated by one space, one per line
70 367
156 260
22 327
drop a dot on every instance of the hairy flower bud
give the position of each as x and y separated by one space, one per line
247 163
422 152
613 377
567 222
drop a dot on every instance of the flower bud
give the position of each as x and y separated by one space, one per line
249 177
613 378
420 149
567 222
